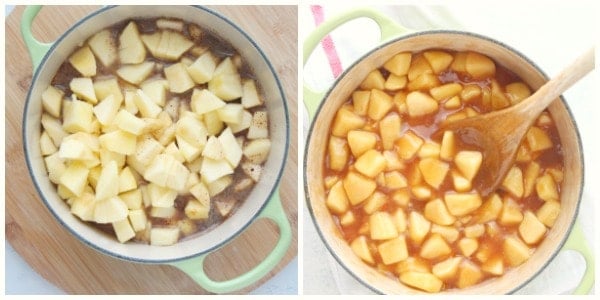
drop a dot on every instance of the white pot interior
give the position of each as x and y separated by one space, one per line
202 242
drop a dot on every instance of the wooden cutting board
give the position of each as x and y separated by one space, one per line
59 257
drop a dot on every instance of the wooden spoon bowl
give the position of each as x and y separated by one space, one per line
458 41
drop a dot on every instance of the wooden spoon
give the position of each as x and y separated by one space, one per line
498 134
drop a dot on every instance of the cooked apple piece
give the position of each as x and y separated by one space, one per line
494 266
421 192
420 104
468 162
131 48
398 64
530 177
408 145
436 212
360 102
77 116
394 250
425 81
490 209
479 66
446 269
413 263
423 281
84 88
448 146
401 197
338 153
370 163
374 80
137 218
438 60
460 204
179 79
104 47
382 226
459 62
257 150
395 180
400 220
361 249
360 141
108 182
374 202
110 210
446 91
449 233
418 66
358 187
51 101
435 247
468 246
346 120
460 183
434 171
259 126
531 228
164 236
84 62
546 188
515 251
394 83
510 213
517 91
389 130
418 227
557 174
452 103
337 201
513 182
429 149
538 139
468 274
548 212
393 162
136 74
470 92
379 104
119 141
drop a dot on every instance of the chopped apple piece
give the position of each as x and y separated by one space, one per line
202 69
259 127
360 247
438 60
434 171
408 145
436 212
51 100
135 74
468 162
156 90
179 79
389 130
394 83
398 64
423 281
448 146
382 226
530 177
446 269
131 48
232 113
346 120
374 80
374 202
517 91
84 62
460 204
137 218
418 66
531 228
468 274
204 101
123 230
257 150
244 124
164 236
108 182
425 81
379 104
395 180
232 150
461 184
510 213
104 47
538 139
360 102
358 187
110 210
152 41
360 141
420 104
133 198
226 82
337 201
83 207
83 88
479 66
214 169
172 45
394 250
435 247
219 185
513 182
118 141
370 163
449 233
468 246
46 144
418 227
429 149
74 178
490 209
548 213
515 251
546 188
338 153
196 210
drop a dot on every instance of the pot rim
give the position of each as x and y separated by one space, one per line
103 250
386 44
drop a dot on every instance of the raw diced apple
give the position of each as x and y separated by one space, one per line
546 188
531 228
420 104
513 182
213 149
55 166
51 100
83 88
250 96
108 182
164 236
214 169
107 87
418 227
382 226
151 41
192 130
77 116
438 60
398 64
389 130
46 144
435 247
468 162
252 170
370 163
408 145
259 127
74 178
510 213
110 210
179 80
423 281
138 219
83 61
196 210
418 66
468 274
460 204
119 141
394 250
361 249
374 80
123 230
231 149
358 187
161 196
436 212
434 171
172 45
257 150
131 48
156 90
75 149
83 206
137 73
130 123
204 101
479 66
515 251
133 199
106 110
346 120
202 69
104 47
232 113
219 185
379 104
226 84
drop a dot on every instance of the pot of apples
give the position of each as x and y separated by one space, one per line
157 136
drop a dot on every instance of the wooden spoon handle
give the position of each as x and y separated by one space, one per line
560 83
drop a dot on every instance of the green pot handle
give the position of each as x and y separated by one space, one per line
387 27
194 267
36 49
577 242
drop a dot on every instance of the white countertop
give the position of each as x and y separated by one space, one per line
552 34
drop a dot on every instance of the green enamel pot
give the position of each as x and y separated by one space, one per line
190 253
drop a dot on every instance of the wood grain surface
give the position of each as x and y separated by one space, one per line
64 261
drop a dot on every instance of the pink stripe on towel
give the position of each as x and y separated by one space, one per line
334 60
